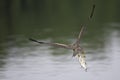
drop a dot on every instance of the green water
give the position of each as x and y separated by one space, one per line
58 21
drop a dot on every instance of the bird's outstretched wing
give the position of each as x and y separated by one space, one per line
83 26
92 12
80 34
53 44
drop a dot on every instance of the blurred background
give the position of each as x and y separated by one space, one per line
58 21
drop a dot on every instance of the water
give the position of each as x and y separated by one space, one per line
31 61
58 21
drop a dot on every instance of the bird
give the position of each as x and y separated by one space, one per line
78 51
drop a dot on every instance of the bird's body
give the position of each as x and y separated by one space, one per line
79 53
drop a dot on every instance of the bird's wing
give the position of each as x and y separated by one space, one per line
80 34
52 44
92 12
83 26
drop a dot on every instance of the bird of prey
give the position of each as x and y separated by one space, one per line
77 49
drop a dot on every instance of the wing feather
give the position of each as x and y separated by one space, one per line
53 44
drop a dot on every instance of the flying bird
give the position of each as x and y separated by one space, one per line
78 51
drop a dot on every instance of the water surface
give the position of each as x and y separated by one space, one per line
31 61
58 21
